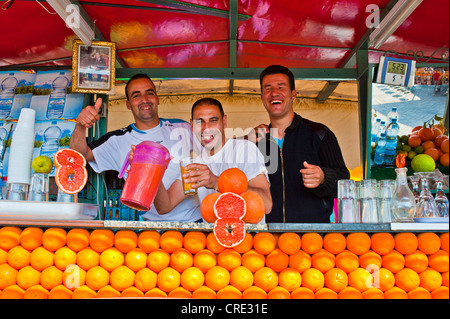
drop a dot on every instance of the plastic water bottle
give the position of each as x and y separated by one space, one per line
57 100
374 132
391 141
51 141
393 114
381 129
7 95
380 150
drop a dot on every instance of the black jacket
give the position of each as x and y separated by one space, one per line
314 143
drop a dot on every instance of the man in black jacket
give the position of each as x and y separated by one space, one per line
303 158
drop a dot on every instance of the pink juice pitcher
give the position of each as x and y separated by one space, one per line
150 161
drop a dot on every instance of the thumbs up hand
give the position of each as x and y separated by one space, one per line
89 115
313 176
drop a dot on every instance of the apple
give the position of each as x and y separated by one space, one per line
42 164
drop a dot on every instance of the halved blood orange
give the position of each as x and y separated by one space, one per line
68 156
230 205
229 232
71 178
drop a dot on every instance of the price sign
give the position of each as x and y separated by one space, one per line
396 71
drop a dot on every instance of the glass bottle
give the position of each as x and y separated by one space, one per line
427 205
403 201
415 189
441 200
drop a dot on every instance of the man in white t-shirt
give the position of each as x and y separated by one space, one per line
218 154
110 151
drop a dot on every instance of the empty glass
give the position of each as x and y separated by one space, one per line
66 198
348 211
441 200
427 205
39 187
385 191
368 201
17 191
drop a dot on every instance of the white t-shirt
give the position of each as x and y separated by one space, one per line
110 152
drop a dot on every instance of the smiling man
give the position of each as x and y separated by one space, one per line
110 151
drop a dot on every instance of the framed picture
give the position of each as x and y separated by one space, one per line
93 67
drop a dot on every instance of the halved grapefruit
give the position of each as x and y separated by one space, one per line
71 179
68 156
229 232
230 205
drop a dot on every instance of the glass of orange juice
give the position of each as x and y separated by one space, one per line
187 187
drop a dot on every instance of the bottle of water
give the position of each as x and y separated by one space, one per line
57 100
381 129
375 130
7 89
391 141
51 141
380 150
393 114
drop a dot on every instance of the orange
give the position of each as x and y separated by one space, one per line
370 259
212 244
8 276
111 258
125 240
54 238
132 292
107 292
323 261
10 237
18 257
122 278
207 207
414 140
265 278
311 243
439 261
360 279
416 261
289 243
336 279
444 159
358 243
168 279
157 260
97 278
394 261
74 277
171 240
194 241
425 133
382 243
373 293
383 279
66 156
36 292
439 139
347 261
300 261
76 183
350 293
445 146
51 277
229 259
334 243
77 239
241 278
430 279
429 243
3 256
64 257
88 258
407 279
145 279
101 239
12 292
60 292
41 258
254 292
245 245
217 278
428 145
229 292
277 260
445 279
31 238
204 260
302 293
253 261
395 293
180 292
27 277
264 243
440 293
204 293
313 279
278 293
255 209
155 293
419 293
192 279
83 292
181 259
136 259
232 180
406 243
325 293
148 240
434 153
290 279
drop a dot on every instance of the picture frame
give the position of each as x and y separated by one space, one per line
93 67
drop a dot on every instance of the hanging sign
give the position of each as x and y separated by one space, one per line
396 71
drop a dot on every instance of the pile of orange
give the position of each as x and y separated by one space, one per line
79 263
